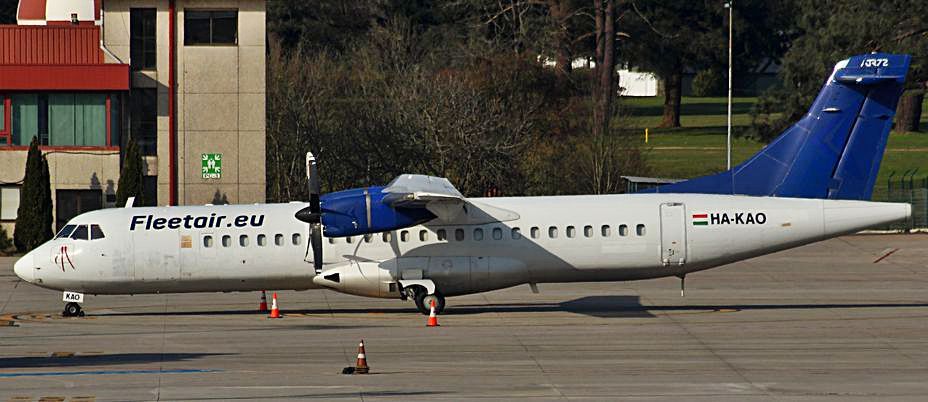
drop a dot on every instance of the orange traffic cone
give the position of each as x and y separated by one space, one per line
361 367
275 313
263 306
433 319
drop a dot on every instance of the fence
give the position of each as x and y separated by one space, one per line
906 188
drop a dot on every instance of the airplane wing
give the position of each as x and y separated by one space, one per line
435 194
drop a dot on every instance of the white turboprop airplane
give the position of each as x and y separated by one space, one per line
418 238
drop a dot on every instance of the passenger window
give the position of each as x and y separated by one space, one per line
459 234
497 234
368 237
535 232
442 235
516 234
623 230
80 233
588 231
296 239
279 239
552 232
640 230
571 232
96 232
262 240
227 241
65 231
348 240
207 241
606 231
423 235
243 240
478 234
404 236
387 237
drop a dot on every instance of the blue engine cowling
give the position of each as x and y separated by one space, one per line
345 213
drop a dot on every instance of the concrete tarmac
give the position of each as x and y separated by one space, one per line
821 322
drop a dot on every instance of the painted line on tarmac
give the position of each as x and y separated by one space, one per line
106 372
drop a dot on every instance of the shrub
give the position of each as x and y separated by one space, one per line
709 82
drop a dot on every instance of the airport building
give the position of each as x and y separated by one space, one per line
184 78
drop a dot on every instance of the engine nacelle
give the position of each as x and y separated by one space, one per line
369 279
362 210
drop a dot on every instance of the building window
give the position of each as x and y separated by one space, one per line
9 203
143 119
71 203
61 119
142 45
150 189
210 27
2 114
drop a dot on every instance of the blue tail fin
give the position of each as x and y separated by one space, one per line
834 151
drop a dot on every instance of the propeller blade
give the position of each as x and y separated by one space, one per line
313 213
315 238
315 186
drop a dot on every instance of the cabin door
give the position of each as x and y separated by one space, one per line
673 234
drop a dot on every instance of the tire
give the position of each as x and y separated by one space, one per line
423 302
72 310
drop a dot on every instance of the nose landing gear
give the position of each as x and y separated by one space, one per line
72 309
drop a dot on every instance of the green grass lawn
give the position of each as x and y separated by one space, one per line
698 148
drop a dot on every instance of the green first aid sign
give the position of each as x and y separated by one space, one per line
212 166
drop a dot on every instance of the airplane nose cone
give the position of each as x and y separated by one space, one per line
24 268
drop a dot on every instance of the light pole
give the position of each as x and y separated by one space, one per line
729 5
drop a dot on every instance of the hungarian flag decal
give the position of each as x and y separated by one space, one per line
700 219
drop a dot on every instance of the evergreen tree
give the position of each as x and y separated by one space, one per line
130 178
34 217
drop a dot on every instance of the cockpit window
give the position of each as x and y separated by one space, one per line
65 231
96 232
80 233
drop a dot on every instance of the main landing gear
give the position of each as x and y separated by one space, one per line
72 309
424 301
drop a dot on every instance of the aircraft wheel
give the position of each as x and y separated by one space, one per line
72 309
424 302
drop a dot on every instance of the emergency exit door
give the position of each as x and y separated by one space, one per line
673 234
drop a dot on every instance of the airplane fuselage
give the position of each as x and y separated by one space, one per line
502 242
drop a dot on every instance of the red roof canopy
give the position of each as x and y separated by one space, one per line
56 58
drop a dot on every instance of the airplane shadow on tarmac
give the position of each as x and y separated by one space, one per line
98 360
604 306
